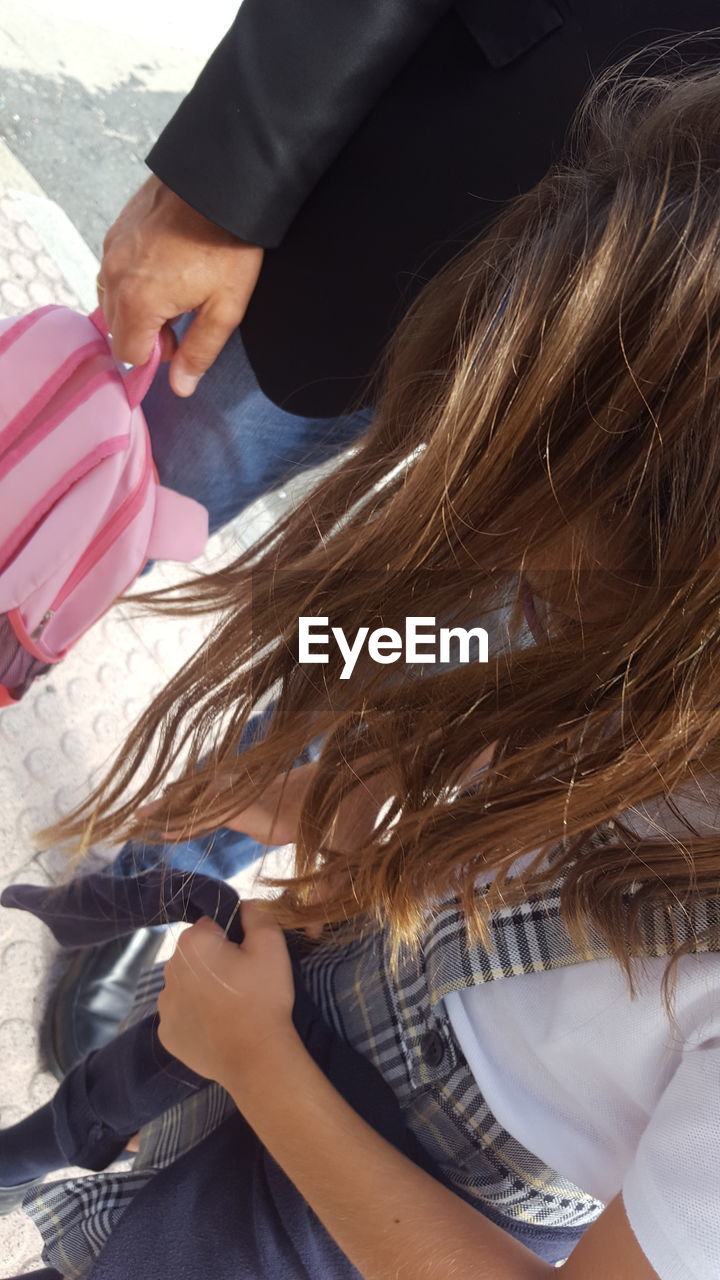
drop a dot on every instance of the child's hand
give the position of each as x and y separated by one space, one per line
272 819
223 1004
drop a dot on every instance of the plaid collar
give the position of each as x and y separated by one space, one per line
532 937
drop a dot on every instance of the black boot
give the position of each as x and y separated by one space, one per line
93 997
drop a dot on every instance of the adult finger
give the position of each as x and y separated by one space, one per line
203 342
134 321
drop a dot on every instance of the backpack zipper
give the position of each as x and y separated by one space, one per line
49 613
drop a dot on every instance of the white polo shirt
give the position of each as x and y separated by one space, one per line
606 1088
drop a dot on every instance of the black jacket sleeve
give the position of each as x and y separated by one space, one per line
278 99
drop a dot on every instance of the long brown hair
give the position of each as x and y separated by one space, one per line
564 374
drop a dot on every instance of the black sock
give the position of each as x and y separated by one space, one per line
29 1149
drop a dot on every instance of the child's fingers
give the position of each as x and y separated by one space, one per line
257 921
196 951
332 884
147 810
254 819
314 931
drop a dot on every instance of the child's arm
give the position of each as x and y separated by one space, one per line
390 1217
226 1012
273 818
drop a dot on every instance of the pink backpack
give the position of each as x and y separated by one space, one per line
81 509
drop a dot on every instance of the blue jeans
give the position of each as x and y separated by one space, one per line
225 446
228 444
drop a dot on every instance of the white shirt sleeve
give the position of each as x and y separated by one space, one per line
671 1191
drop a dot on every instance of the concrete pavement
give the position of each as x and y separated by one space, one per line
85 88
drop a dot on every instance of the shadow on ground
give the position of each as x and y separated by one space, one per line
85 147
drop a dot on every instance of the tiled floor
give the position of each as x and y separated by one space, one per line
55 741
28 275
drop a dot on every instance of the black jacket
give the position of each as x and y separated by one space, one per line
364 142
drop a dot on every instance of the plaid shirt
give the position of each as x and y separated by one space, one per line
399 1022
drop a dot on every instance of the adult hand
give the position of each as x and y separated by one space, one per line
162 259
223 1004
